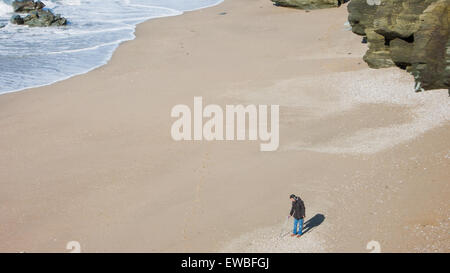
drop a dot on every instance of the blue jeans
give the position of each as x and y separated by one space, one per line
299 223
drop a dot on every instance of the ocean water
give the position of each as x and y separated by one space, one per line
31 57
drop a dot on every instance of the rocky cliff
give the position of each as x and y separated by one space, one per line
410 34
309 4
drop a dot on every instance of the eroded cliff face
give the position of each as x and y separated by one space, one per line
309 4
410 34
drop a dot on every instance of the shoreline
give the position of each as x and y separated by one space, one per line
116 44
91 158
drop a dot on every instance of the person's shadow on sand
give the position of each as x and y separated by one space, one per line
308 225
313 222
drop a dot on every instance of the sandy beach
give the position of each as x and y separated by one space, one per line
91 158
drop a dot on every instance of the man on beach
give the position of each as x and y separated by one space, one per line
298 212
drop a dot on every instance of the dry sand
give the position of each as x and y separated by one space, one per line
91 159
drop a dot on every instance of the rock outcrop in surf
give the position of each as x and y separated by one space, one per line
309 4
37 15
25 6
410 34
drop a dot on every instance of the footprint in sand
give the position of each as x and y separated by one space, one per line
196 206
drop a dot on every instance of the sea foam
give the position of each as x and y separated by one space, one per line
5 9
32 57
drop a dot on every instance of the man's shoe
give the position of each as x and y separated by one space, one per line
292 235
298 236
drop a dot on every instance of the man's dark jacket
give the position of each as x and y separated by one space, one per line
298 209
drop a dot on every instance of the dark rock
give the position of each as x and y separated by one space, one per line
40 18
411 34
59 21
37 15
309 4
2 25
25 6
16 19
